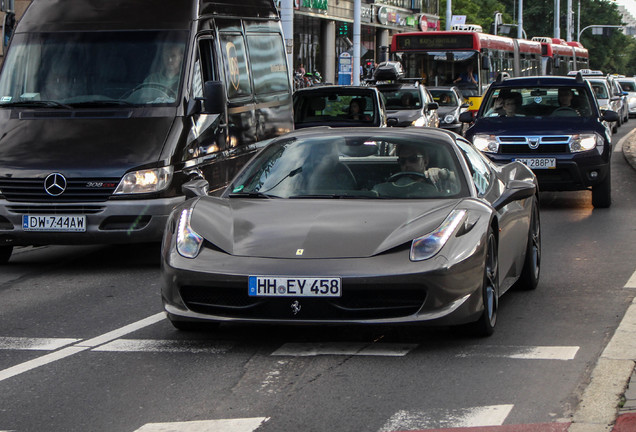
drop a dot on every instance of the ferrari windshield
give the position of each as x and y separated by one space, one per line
353 166
93 68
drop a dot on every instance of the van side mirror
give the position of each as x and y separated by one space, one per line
195 188
214 98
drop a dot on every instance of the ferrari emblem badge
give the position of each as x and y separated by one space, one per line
295 306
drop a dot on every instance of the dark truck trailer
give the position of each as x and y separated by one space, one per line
108 108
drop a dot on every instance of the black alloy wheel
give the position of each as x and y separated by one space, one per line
485 325
529 278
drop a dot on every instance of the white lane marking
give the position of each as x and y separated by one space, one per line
631 283
116 334
171 346
40 361
344 348
79 347
493 415
521 352
225 425
34 344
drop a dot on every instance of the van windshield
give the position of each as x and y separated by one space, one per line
94 68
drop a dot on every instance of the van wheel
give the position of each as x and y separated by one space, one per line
602 193
5 254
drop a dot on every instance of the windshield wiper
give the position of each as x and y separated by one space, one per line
250 195
101 103
331 196
36 104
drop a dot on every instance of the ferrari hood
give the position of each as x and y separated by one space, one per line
321 228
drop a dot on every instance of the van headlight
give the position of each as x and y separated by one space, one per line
486 143
188 241
420 122
450 118
585 142
145 181
429 245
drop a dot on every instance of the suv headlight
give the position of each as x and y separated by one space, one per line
585 142
430 244
486 143
450 118
145 181
188 241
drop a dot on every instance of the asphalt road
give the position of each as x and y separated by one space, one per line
84 345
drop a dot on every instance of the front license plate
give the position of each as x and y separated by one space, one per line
286 286
57 223
538 163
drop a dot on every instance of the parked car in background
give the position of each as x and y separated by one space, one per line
605 93
553 125
338 106
618 92
356 225
628 84
408 102
451 105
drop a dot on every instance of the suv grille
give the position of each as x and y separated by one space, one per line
544 144
77 190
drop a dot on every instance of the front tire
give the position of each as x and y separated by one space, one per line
529 278
485 325
5 254
602 192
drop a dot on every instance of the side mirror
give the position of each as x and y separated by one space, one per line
432 106
391 121
195 188
609 116
515 190
214 98
466 117
464 105
485 63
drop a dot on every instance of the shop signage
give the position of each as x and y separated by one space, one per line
366 13
390 16
315 4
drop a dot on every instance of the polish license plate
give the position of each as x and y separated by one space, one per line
538 163
286 286
57 223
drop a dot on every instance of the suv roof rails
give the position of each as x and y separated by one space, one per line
501 76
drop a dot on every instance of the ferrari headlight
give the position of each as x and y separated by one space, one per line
584 142
486 143
145 181
188 241
430 244
420 122
449 118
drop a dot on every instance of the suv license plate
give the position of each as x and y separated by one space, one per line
538 163
285 286
57 223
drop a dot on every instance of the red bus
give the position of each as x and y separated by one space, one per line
441 58
561 57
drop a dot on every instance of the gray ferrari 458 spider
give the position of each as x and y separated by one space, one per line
358 225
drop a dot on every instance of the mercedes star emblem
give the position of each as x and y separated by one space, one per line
55 184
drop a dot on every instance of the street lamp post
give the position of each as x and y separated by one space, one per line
578 39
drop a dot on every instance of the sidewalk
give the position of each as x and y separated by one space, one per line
626 420
608 403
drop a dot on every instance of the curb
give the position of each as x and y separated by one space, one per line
598 409
629 148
